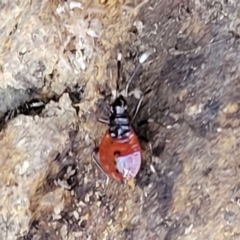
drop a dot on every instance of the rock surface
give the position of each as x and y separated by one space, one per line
64 53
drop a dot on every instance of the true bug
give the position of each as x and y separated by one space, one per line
119 152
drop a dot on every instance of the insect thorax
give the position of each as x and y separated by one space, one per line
119 126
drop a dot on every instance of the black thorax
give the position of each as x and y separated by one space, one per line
119 125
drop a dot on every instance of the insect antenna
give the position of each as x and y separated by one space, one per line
136 111
119 70
142 59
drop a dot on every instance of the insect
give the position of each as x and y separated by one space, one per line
119 152
35 106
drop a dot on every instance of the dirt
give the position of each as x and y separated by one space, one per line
188 186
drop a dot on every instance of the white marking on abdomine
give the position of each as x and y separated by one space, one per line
131 135
112 134
128 134
129 165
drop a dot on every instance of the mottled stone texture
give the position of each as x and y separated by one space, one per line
64 54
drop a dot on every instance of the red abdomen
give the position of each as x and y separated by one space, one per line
120 159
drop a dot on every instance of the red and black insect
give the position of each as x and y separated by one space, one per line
119 151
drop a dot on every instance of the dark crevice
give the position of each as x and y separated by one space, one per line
35 105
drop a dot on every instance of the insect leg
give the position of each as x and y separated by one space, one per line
139 105
95 160
152 168
150 148
137 109
131 78
104 121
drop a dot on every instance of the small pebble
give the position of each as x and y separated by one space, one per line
120 209
78 234
87 198
76 215
110 222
